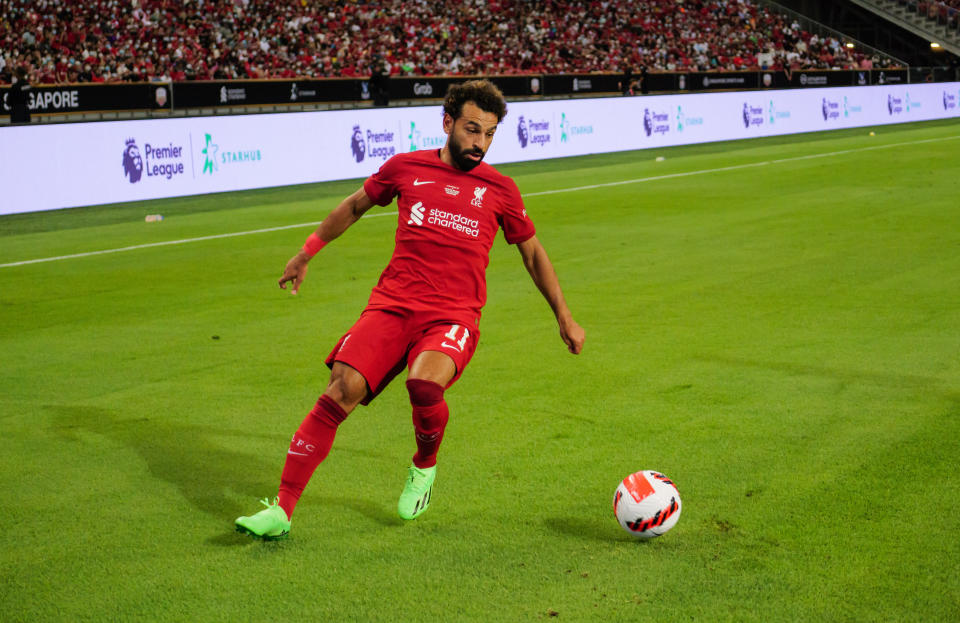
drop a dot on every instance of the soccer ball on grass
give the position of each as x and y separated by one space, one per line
647 504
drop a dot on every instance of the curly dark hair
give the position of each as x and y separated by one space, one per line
483 93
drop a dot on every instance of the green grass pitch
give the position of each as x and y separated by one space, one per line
774 324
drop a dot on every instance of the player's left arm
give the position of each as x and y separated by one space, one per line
538 264
338 221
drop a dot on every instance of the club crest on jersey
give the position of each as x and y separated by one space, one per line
478 193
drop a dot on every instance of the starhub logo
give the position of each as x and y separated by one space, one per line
685 121
775 114
215 156
850 108
569 130
912 104
417 139
162 161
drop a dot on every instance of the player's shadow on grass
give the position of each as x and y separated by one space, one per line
200 461
585 528
383 515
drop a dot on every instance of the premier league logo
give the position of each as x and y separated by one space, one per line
826 109
357 145
132 162
890 104
647 122
949 100
746 115
522 132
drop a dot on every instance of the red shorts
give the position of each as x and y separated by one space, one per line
383 342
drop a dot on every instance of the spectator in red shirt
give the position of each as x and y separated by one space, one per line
289 38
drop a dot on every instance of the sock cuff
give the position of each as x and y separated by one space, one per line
424 393
328 410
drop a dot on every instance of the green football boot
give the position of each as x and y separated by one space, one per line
416 492
270 524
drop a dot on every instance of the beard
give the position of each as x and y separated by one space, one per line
459 155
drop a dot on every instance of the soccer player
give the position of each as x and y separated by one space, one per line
424 312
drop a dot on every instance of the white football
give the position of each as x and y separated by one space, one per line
647 504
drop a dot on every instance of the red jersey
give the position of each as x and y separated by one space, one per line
447 222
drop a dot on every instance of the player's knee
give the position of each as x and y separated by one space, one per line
346 387
424 393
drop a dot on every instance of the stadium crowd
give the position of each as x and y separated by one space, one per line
61 41
944 12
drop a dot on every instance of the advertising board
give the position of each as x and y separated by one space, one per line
45 167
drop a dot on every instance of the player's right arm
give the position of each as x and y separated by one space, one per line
342 217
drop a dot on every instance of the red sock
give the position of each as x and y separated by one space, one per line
430 415
309 446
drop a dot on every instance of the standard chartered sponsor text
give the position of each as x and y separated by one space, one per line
456 222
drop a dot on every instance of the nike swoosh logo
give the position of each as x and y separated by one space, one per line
417 182
445 345
297 453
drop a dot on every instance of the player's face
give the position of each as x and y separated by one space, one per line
470 135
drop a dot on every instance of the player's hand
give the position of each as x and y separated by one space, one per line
295 272
572 335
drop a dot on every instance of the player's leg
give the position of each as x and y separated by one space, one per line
429 374
312 442
361 365
309 447
437 360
